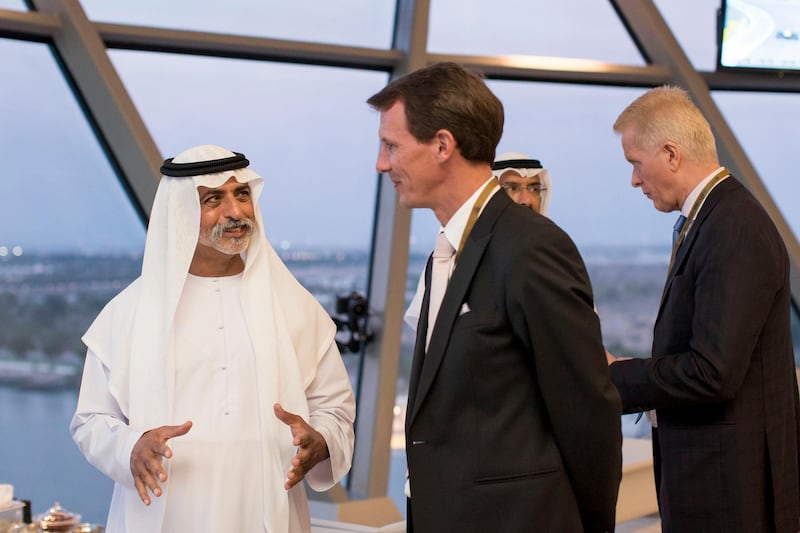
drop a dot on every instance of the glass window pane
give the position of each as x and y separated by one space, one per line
366 23
569 129
697 33
13 4
573 28
766 126
305 129
70 240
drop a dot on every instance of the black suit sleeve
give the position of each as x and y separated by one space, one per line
551 310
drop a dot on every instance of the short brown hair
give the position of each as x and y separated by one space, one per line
448 96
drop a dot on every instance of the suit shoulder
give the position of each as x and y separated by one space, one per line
738 207
523 238
525 219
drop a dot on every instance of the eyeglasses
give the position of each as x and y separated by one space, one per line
514 189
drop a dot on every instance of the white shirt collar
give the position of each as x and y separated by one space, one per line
692 198
458 222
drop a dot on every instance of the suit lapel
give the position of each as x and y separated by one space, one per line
427 364
683 252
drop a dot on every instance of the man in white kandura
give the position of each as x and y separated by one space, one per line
213 382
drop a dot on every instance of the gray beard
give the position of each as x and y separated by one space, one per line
215 238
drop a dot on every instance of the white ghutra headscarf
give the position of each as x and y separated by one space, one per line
525 167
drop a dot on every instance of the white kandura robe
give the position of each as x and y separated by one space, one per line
215 388
215 473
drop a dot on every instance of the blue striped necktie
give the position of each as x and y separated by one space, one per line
676 229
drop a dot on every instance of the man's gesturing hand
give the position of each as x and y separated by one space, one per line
146 457
312 447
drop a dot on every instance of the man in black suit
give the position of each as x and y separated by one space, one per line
721 377
512 422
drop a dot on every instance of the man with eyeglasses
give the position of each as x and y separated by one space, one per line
524 179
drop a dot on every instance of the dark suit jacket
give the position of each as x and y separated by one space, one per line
512 422
722 376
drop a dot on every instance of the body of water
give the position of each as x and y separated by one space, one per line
38 456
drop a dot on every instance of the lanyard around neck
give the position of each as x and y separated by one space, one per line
719 176
476 210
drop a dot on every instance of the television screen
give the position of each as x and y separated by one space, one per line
760 34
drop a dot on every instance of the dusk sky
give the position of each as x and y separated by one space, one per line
308 131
